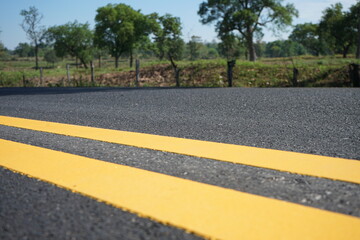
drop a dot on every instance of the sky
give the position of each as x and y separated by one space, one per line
61 12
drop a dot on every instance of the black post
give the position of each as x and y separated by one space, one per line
354 74
230 65
24 80
137 72
295 77
92 74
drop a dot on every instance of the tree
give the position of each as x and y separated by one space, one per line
168 41
75 39
50 57
167 38
3 51
260 48
194 47
24 50
338 29
355 15
99 53
212 50
281 48
231 46
119 27
247 17
307 34
34 31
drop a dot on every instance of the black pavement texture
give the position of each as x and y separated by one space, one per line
317 121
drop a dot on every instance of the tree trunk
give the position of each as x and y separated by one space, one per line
116 62
36 56
131 58
83 63
41 77
251 47
176 71
346 50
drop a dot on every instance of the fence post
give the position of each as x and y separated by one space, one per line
137 72
295 77
230 65
24 80
354 74
68 73
92 74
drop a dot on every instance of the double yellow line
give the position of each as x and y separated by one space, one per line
206 210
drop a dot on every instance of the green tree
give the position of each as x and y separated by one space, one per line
337 28
231 46
34 31
167 38
24 50
119 28
247 17
168 41
194 46
307 34
281 48
355 15
3 51
50 56
212 50
260 48
74 39
99 53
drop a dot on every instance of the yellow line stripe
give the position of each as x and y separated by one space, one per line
209 211
306 164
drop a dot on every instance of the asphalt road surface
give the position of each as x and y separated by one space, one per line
316 121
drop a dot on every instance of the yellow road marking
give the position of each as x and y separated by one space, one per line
207 210
306 164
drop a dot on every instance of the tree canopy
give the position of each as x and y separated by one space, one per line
24 50
167 37
34 31
307 34
194 47
231 46
119 27
355 16
247 17
338 28
75 39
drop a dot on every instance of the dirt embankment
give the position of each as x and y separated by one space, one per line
206 75
163 76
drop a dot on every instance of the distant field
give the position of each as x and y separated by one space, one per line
268 72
